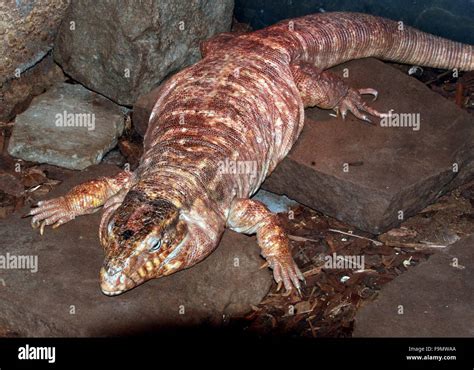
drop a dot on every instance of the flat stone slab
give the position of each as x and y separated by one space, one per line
68 126
436 298
63 298
392 172
274 202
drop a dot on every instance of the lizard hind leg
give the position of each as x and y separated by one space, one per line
249 216
325 90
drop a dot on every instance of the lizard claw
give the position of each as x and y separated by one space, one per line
49 212
353 102
279 285
369 91
286 273
343 114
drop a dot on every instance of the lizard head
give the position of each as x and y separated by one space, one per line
143 239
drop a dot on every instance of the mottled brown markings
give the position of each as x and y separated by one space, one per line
252 102
256 113
221 111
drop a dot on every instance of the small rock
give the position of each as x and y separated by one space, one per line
344 278
68 126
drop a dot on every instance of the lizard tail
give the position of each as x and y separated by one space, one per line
328 39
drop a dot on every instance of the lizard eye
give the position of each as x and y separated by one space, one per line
155 245
110 227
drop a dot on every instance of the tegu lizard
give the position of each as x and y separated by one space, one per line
242 103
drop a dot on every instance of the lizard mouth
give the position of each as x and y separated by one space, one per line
112 293
112 283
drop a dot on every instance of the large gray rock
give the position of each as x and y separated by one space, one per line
68 126
123 49
393 172
17 93
433 299
28 29
63 298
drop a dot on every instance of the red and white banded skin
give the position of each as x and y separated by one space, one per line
242 105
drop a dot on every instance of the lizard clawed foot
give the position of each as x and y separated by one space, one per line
353 102
83 199
54 211
286 272
249 214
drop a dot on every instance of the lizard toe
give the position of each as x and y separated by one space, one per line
287 273
50 212
353 102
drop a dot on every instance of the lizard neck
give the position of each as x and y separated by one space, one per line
204 216
194 187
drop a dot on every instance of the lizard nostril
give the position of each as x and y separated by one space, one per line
110 271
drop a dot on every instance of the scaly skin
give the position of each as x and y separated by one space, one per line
242 105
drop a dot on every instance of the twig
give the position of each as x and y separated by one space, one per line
417 246
313 330
313 271
376 242
365 270
302 239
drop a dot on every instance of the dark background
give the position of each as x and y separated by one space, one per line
453 19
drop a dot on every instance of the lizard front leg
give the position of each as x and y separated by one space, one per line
249 216
80 200
327 91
